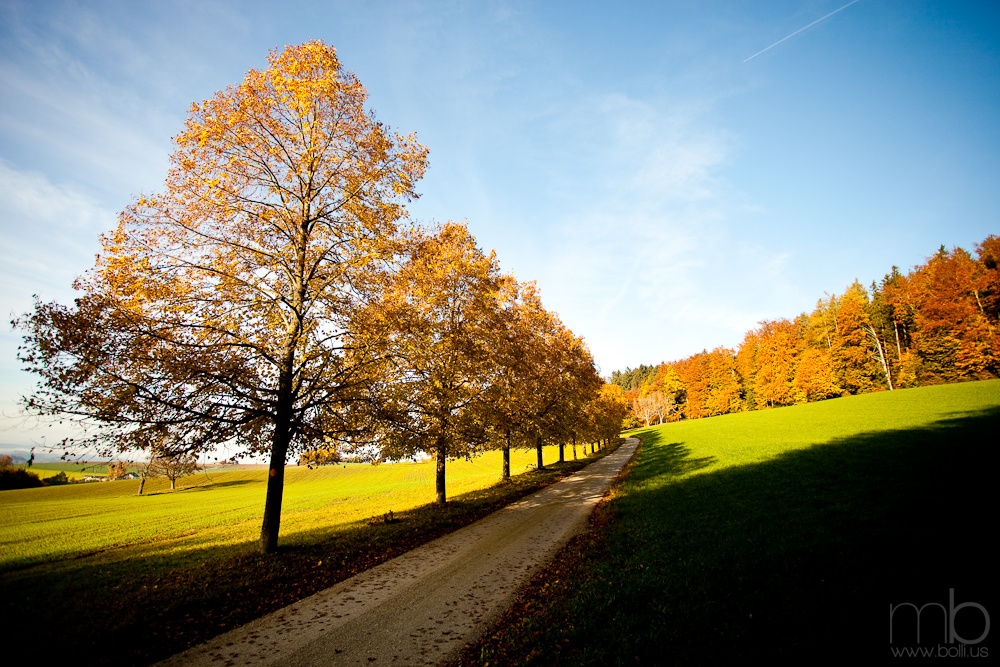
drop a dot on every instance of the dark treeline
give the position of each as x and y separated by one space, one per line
634 378
936 324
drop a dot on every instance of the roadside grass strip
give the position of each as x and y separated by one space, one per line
782 534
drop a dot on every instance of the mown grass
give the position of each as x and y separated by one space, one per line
781 535
115 578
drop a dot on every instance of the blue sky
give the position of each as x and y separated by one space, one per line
664 191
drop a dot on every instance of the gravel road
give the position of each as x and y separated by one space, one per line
424 606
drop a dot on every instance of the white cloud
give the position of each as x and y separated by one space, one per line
652 245
82 125
666 155
49 234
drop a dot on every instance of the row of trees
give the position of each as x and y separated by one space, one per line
936 324
270 299
470 359
16 477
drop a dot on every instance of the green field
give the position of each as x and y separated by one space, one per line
85 567
220 509
782 534
73 471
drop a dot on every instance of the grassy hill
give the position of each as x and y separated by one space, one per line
782 534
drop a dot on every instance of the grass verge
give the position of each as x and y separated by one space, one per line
782 535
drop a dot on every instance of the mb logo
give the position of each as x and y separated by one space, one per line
906 617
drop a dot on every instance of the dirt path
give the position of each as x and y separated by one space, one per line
424 606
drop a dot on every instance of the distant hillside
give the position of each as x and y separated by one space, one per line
20 454
937 324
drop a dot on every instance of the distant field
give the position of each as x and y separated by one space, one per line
80 470
72 470
781 534
219 508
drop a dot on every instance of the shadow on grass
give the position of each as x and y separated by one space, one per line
795 560
148 603
213 486
668 461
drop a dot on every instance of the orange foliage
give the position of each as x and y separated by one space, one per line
223 305
938 323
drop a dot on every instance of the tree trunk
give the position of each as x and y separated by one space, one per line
538 450
562 452
505 472
280 442
442 454
881 355
885 365
574 446
283 415
142 483
275 489
173 483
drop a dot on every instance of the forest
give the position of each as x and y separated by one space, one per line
937 324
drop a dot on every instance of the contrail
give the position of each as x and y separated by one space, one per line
801 29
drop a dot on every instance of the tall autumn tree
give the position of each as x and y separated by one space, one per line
439 318
520 350
987 282
223 305
668 382
955 336
815 379
694 375
557 386
896 306
578 385
768 358
855 360
725 390
986 289
606 412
